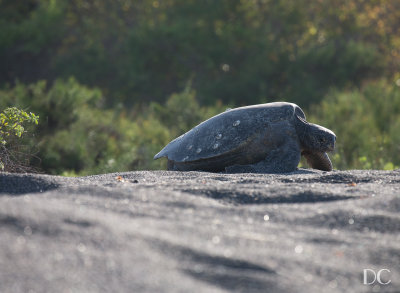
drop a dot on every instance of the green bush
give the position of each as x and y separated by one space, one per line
181 111
67 110
79 136
12 121
367 125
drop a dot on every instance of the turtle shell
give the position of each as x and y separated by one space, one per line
227 132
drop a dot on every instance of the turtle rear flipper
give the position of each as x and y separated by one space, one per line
318 160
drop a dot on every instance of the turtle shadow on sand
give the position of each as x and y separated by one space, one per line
19 184
227 273
265 138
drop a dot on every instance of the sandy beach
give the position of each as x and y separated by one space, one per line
159 231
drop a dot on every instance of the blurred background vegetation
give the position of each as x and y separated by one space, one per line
113 81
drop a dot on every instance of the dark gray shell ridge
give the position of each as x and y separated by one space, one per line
228 131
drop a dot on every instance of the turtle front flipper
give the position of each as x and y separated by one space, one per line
318 160
280 160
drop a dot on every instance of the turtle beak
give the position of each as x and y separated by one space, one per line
331 146
331 139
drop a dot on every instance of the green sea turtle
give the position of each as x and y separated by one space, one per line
265 138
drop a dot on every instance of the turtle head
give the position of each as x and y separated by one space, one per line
315 137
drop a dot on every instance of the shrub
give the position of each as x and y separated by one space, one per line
367 125
62 107
79 136
12 121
